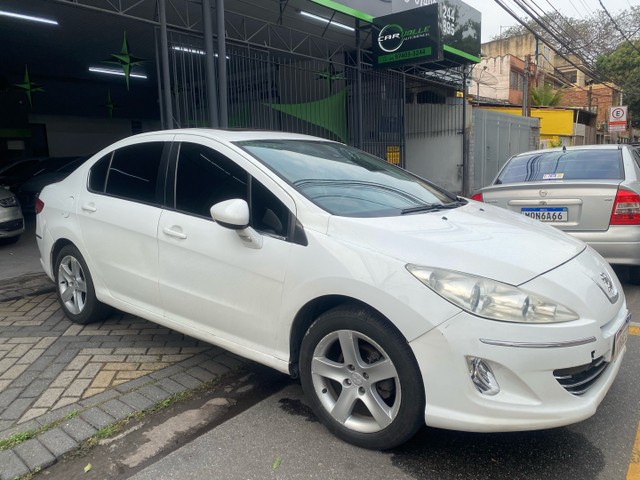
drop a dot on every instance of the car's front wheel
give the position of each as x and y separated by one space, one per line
361 378
76 293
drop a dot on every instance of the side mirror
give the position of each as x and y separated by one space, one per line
234 214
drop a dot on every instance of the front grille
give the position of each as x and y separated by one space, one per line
11 226
577 380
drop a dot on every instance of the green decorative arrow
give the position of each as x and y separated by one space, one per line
329 113
110 106
125 59
28 86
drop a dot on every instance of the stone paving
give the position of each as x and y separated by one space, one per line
68 381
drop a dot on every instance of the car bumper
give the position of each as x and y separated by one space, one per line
619 245
530 397
11 228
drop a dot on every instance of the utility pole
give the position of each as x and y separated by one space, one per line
525 87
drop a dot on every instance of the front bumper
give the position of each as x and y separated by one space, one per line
530 397
12 228
523 357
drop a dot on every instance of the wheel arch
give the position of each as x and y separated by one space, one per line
55 250
311 311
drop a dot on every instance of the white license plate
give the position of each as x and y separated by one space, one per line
547 214
620 338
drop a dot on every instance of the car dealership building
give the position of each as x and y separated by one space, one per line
386 76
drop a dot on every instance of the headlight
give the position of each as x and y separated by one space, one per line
9 202
491 299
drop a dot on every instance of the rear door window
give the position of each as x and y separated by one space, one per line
563 165
130 172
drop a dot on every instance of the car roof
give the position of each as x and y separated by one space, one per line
234 135
608 146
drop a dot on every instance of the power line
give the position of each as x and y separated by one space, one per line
617 27
583 68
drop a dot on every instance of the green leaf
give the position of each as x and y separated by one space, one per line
276 463
87 467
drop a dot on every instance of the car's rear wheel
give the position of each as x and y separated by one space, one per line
76 293
361 378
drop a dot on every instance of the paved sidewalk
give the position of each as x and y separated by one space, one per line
61 382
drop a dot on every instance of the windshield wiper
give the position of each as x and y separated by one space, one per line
432 207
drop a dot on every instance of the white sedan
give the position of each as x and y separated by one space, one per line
395 302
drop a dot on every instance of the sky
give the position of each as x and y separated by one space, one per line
494 17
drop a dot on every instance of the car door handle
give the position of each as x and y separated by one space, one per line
89 207
173 233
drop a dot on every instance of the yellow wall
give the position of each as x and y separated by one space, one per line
552 122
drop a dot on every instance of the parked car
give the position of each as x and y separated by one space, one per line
11 219
15 173
31 188
395 302
591 192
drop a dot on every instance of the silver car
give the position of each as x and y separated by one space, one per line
11 219
591 192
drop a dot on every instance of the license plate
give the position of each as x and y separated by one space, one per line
620 338
547 214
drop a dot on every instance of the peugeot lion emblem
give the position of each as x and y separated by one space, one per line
608 287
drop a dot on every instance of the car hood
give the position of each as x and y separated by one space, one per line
476 239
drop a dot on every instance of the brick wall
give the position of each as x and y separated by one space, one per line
602 97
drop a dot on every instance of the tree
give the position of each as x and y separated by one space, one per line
622 67
545 95
589 37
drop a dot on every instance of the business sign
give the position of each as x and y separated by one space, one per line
445 31
618 119
407 37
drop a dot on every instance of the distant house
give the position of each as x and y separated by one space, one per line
499 79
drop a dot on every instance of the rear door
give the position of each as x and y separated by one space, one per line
574 190
119 214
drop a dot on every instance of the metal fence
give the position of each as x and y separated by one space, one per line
496 137
273 90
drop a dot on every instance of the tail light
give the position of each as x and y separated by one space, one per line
477 197
39 205
626 208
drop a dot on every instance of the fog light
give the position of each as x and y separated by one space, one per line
482 377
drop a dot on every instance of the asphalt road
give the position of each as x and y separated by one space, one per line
278 438
275 436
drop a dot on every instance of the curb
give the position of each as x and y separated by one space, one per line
65 429
44 440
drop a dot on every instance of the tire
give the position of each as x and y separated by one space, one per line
371 396
74 287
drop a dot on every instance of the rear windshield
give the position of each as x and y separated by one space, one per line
567 165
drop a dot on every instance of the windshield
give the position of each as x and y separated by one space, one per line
563 165
345 181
